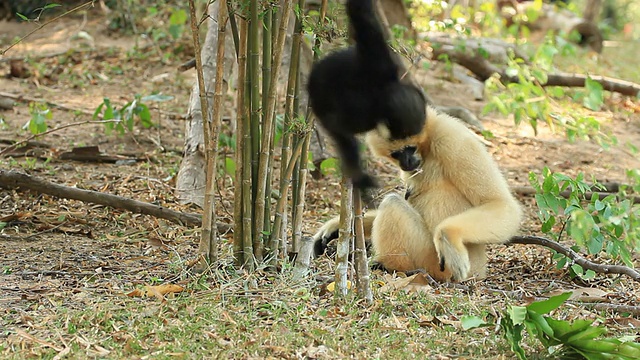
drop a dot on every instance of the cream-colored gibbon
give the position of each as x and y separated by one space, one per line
353 90
456 202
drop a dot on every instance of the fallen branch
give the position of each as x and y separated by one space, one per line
575 257
16 180
45 56
483 69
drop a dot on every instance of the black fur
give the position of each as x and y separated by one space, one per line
320 246
407 159
353 90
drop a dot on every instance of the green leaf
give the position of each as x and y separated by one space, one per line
145 115
595 95
606 346
22 17
513 335
517 314
51 6
472 322
564 329
556 91
175 31
589 333
547 226
330 165
577 269
546 306
540 322
96 113
178 17
230 167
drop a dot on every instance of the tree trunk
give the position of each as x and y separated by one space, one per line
592 10
552 18
397 14
191 180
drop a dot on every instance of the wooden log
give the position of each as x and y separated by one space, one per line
551 17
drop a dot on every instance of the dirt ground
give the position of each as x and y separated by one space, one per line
63 252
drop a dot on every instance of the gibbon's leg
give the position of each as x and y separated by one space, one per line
350 157
329 231
400 239
491 223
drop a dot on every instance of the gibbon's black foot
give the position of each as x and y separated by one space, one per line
442 263
364 182
321 245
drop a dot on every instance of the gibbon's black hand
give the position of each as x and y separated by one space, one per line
357 89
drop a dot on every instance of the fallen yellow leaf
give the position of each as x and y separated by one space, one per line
332 286
156 290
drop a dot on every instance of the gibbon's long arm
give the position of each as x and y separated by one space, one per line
483 185
373 53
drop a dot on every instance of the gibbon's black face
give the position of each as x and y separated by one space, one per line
407 158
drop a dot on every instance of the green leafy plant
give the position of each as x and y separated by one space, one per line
593 96
127 115
177 21
330 166
562 339
529 101
39 12
608 225
40 113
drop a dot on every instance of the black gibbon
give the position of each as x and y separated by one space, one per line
457 201
354 90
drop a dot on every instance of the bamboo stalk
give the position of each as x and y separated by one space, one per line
287 126
279 218
247 215
299 181
267 44
241 119
301 190
346 225
218 95
268 125
208 216
254 57
323 15
361 264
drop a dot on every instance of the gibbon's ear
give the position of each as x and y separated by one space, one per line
407 158
383 131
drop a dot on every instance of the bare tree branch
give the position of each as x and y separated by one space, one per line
575 257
